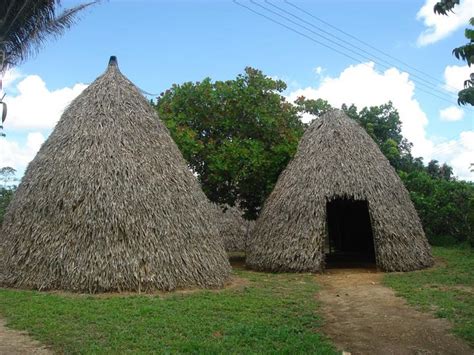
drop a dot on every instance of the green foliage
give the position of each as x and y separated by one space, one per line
237 135
446 207
465 52
316 107
7 176
439 172
383 124
443 241
445 289
6 196
267 313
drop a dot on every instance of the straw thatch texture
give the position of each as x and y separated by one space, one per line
336 158
108 204
233 228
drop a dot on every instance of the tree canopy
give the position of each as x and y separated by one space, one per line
237 135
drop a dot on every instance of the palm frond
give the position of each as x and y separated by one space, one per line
26 24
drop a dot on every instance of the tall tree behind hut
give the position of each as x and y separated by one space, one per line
237 135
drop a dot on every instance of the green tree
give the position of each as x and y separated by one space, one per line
439 172
237 135
446 207
316 107
5 197
465 52
383 124
7 175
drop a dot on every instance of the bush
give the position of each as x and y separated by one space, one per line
5 198
445 207
443 241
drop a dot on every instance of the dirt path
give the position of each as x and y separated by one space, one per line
13 342
364 317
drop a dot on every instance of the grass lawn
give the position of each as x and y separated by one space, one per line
267 313
447 289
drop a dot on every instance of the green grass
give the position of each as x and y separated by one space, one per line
447 289
269 314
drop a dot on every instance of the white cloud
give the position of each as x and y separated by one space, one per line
440 26
458 153
18 156
451 113
31 107
34 106
455 75
363 86
318 70
10 77
307 117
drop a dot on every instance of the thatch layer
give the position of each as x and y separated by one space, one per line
108 204
336 158
233 228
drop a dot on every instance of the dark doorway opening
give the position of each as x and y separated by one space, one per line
350 241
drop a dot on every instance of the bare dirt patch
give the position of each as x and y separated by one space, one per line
13 342
364 317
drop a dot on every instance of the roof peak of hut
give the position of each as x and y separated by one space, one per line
113 62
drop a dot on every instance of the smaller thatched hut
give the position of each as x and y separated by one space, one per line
109 204
338 196
234 229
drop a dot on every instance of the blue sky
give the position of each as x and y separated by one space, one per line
159 43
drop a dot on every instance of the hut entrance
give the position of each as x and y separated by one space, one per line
349 240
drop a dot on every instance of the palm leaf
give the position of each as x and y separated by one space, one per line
26 24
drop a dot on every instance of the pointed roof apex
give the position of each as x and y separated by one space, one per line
113 61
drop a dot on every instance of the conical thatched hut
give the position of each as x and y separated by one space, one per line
339 195
108 204
234 229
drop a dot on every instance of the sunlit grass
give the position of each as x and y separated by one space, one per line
268 313
447 289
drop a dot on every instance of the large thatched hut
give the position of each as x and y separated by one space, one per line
338 196
108 204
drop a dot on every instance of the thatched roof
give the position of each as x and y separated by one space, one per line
233 227
108 204
336 158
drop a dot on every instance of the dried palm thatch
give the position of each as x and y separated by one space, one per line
108 204
234 229
336 158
